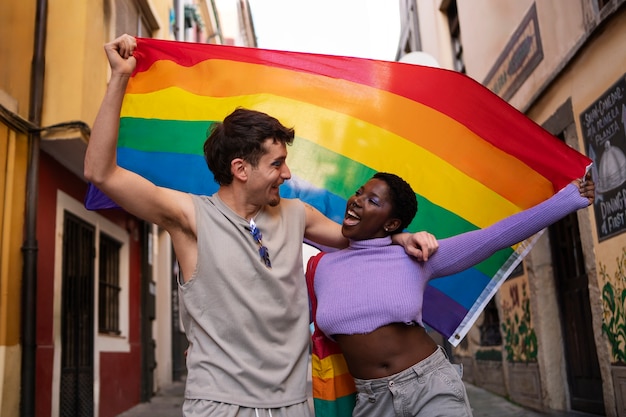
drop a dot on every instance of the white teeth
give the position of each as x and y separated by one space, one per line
353 214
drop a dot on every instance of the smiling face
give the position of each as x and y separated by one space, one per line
369 212
269 174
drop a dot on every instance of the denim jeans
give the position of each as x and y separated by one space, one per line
430 388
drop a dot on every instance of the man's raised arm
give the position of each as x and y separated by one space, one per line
168 208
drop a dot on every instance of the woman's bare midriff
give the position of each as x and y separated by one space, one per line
385 351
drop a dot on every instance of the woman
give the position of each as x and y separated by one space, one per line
369 296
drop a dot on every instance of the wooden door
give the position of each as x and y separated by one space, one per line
583 369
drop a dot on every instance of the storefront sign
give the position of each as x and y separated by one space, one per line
604 131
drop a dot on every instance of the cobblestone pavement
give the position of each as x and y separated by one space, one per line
486 404
169 400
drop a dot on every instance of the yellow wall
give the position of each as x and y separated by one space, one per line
75 61
12 184
76 66
76 74
15 56
16 50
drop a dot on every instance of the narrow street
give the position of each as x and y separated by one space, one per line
168 402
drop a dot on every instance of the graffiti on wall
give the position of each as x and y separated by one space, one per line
613 318
520 340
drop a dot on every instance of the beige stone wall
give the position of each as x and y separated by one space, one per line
586 79
577 66
486 27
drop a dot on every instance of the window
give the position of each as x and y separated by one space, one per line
193 23
107 251
490 328
77 359
134 17
80 259
410 35
455 36
597 11
109 285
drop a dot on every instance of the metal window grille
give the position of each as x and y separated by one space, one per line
109 286
76 396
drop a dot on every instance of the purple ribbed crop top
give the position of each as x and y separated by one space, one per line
373 283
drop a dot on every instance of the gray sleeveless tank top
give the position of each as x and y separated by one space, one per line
247 324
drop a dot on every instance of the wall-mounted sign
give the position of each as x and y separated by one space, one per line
518 60
604 131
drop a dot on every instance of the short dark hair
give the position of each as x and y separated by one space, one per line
241 135
403 199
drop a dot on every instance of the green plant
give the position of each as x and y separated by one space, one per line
489 355
520 341
613 319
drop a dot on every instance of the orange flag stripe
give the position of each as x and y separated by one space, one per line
333 388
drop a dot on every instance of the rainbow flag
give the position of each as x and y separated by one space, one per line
471 157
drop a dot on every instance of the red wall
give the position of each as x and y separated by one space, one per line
120 385
120 373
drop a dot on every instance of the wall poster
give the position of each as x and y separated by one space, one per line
604 131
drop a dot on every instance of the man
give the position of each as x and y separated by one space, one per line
243 294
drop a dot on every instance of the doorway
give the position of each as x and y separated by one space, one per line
583 368
77 334
572 287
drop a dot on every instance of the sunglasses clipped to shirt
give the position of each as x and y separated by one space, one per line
258 238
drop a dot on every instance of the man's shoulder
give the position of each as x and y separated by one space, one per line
203 198
291 202
288 208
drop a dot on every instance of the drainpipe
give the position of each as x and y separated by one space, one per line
30 247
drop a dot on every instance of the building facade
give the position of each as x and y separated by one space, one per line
88 321
553 336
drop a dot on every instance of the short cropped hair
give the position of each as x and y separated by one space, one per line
403 199
241 135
